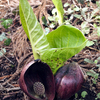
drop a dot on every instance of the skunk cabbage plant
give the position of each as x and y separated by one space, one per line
65 42
57 46
68 80
37 81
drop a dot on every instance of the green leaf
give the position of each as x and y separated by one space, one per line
94 81
65 42
57 46
2 52
65 36
2 19
83 94
51 18
95 61
33 29
97 17
98 65
66 4
6 23
98 58
88 61
7 42
78 16
94 13
44 20
93 74
89 43
98 4
76 95
76 9
98 31
85 28
60 11
98 95
84 10
12 65
70 11
2 36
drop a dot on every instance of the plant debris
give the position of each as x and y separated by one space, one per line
18 52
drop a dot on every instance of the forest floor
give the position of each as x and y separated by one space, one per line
16 51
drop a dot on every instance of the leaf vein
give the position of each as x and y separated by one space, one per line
39 40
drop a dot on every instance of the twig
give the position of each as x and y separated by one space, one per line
8 89
13 76
86 66
18 71
8 59
9 95
7 76
93 49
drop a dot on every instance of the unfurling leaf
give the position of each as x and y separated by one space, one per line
55 48
65 42
6 23
60 11
33 29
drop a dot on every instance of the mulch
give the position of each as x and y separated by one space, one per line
19 52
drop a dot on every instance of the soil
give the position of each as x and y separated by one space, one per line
19 53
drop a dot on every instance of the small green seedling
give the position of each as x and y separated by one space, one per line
76 96
44 20
7 42
95 62
94 76
6 22
98 97
57 46
83 94
12 65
